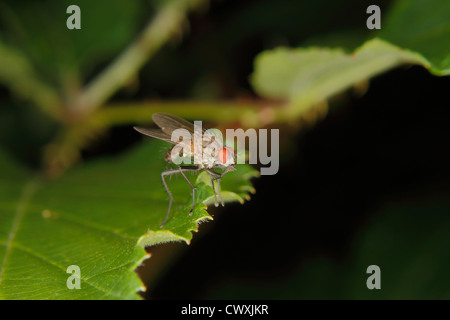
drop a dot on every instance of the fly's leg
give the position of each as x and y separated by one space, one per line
218 188
193 190
173 171
216 177
166 173
214 189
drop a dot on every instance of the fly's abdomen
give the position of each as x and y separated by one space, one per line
168 156
178 156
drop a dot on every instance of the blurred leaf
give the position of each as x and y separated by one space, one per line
422 26
39 30
310 75
19 75
307 76
348 40
98 216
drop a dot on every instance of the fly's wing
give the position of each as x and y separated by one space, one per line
154 133
168 123
177 154
159 134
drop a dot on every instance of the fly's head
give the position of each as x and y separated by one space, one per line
227 158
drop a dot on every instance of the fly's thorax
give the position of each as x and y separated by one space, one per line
209 156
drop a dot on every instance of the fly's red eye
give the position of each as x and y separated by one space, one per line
225 153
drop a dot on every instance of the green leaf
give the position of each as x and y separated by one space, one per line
418 32
422 26
307 76
98 216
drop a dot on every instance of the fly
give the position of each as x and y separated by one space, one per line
218 156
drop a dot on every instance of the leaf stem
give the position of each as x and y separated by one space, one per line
248 112
21 77
159 30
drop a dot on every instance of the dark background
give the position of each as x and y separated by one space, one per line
390 145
